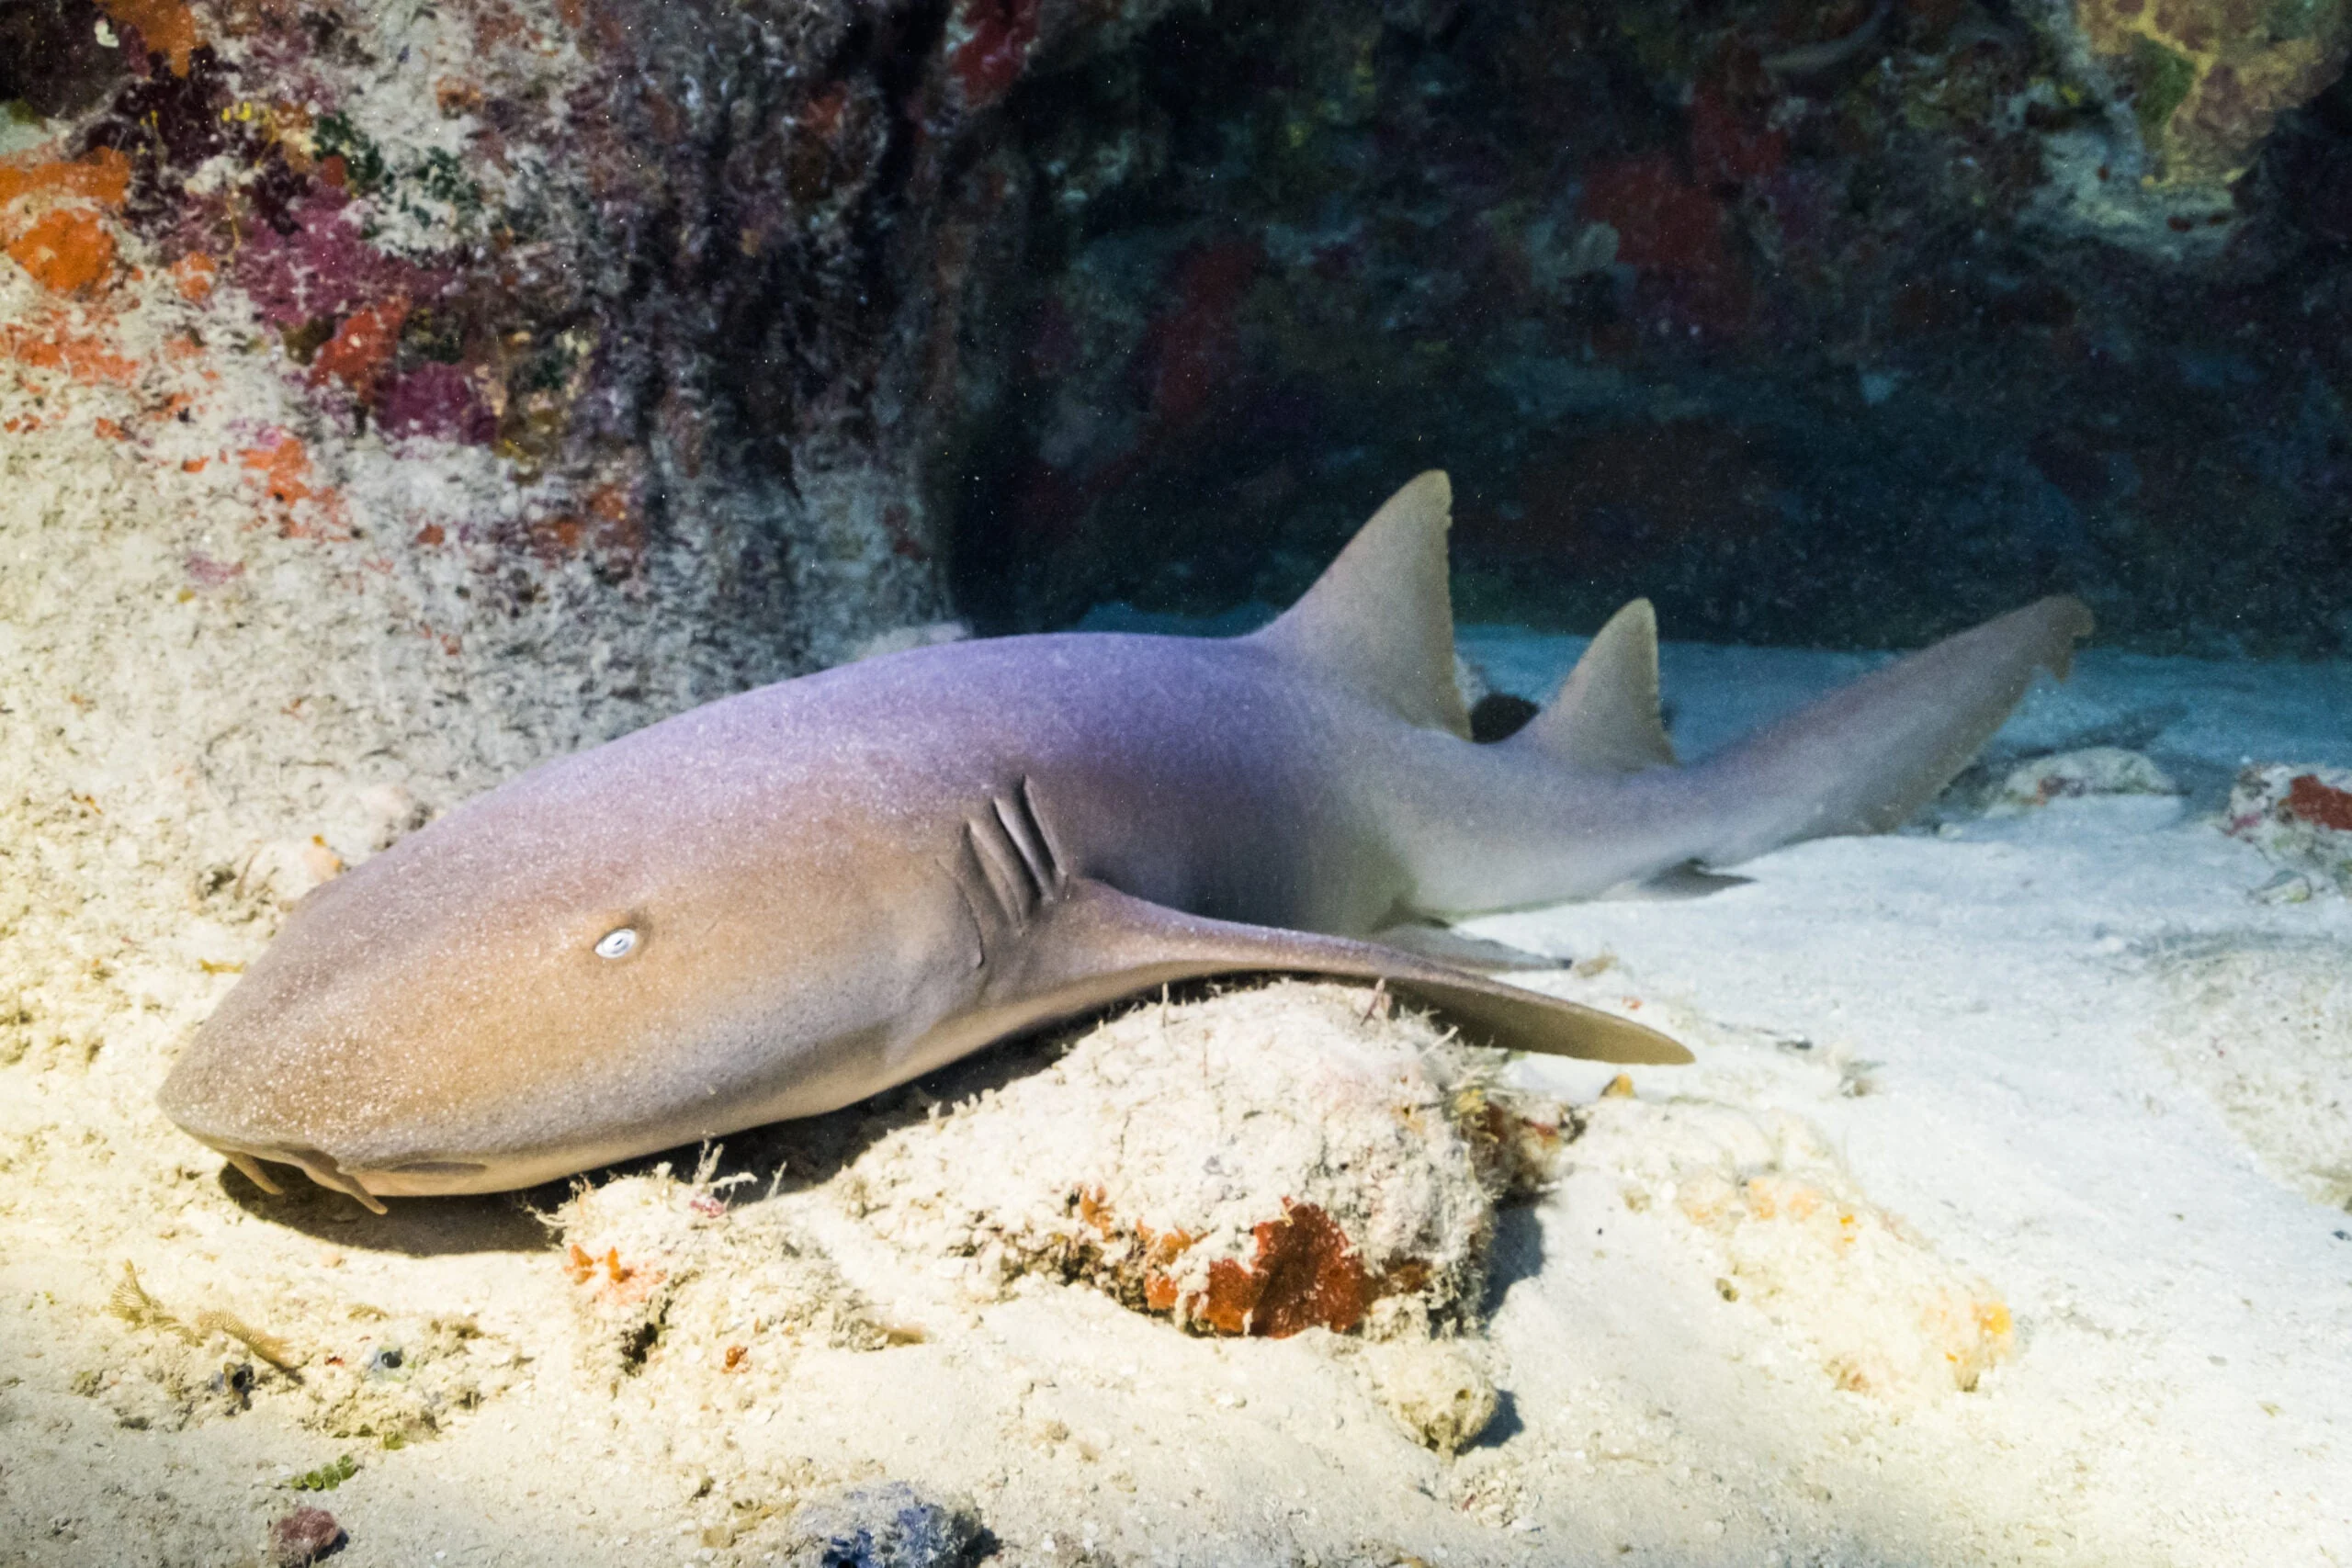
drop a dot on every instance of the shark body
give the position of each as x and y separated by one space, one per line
782 902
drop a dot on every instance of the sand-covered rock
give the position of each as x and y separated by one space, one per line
303 1537
1787 1232
1264 1162
2264 1030
2069 775
1437 1389
664 1269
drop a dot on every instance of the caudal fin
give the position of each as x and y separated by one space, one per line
1863 759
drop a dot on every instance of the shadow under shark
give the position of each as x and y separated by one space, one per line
782 902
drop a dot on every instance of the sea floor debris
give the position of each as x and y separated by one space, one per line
2301 818
304 1537
367 1374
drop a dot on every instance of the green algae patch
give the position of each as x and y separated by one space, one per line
327 1477
2163 78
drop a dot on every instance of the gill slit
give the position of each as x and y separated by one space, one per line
1016 853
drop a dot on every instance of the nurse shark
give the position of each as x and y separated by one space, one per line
780 903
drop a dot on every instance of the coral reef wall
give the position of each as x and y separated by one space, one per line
1833 322
393 396
693 274
1829 321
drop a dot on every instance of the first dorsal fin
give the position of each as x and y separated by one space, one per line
1606 716
1379 620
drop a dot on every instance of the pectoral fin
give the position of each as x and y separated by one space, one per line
1100 945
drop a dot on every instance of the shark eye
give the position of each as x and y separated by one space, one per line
618 944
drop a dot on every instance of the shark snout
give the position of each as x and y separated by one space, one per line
272 1105
250 1106
366 1183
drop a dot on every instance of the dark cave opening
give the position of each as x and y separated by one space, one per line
1798 369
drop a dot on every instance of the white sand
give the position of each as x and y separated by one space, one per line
1987 1229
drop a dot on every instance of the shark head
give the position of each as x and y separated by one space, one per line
592 963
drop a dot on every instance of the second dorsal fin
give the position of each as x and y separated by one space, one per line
1379 620
1606 716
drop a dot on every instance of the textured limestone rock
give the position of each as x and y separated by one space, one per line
1435 1389
1737 308
2207 81
1261 1162
892 1524
667 1273
2069 775
303 1537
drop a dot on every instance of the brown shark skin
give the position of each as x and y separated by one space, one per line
810 861
844 881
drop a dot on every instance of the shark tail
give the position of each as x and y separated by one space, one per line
1861 760
1869 755
1378 625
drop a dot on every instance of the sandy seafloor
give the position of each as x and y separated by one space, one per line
2054 1070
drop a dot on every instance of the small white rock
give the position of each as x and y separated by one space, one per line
2094 770
1440 1396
